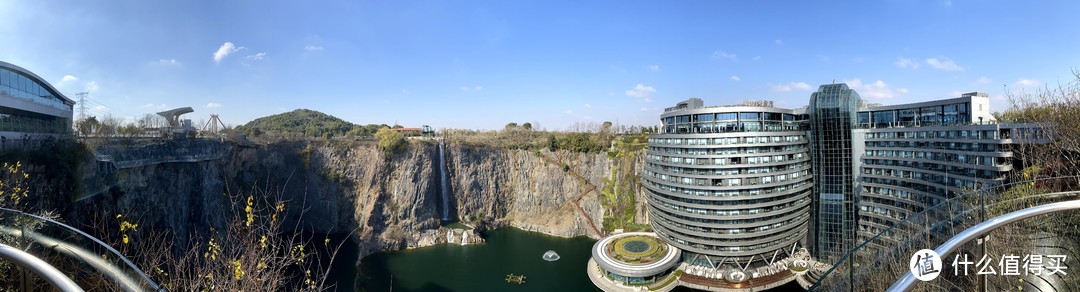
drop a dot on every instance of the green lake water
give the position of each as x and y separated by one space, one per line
482 267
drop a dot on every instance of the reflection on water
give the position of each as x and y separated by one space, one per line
483 267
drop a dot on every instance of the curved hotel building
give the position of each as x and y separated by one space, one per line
29 106
729 185
753 195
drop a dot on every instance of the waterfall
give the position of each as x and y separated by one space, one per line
442 176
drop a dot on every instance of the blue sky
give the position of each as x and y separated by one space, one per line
482 64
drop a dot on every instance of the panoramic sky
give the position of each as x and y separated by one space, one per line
482 64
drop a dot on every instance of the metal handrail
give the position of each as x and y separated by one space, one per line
39 267
111 272
907 283
971 194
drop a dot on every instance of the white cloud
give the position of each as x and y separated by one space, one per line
778 42
464 88
224 51
756 58
169 62
877 89
588 105
644 109
312 48
256 56
735 78
823 58
568 112
983 80
478 88
654 68
641 92
718 55
944 64
68 78
790 87
156 106
1027 82
906 63
92 86
213 105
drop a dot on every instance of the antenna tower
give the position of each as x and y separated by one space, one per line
82 104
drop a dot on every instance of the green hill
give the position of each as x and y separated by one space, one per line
304 123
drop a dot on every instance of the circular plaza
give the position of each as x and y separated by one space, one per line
634 258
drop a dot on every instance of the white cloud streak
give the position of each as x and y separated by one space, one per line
92 87
1022 82
721 55
225 50
312 48
790 86
944 64
256 56
877 89
213 105
641 92
735 78
906 63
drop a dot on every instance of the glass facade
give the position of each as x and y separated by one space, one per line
907 170
833 115
18 85
952 114
729 182
13 120
15 84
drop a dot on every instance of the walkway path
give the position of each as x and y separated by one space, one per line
589 188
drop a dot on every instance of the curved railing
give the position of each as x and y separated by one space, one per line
39 267
79 255
907 283
884 256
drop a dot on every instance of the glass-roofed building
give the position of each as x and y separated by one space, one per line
30 107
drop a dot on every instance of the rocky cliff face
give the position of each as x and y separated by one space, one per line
528 190
387 202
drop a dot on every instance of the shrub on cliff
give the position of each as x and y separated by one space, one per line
390 141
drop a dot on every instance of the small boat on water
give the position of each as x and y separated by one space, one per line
516 279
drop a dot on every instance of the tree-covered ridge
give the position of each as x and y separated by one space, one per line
305 123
